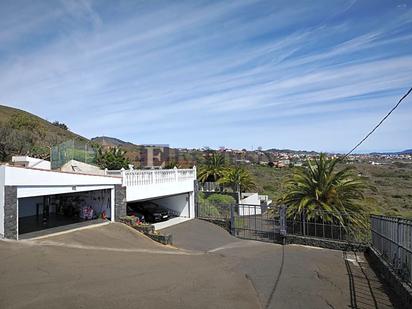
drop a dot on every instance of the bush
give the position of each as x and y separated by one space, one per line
20 121
210 211
60 125
221 199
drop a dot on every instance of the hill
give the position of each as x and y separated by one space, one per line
22 133
404 152
107 141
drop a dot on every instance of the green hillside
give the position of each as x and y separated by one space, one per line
388 190
22 133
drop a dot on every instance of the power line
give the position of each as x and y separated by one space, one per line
377 126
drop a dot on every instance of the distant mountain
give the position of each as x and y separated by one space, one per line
292 151
407 151
107 141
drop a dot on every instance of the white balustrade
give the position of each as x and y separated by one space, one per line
150 177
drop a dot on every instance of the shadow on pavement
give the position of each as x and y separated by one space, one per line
366 290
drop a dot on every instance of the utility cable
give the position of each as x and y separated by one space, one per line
378 125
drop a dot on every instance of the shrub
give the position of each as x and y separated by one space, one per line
60 125
221 199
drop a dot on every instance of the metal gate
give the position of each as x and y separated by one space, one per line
255 222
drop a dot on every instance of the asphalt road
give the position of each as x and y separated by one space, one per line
290 276
114 266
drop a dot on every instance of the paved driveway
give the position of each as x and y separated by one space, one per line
113 266
290 276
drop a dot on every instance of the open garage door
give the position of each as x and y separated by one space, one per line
178 205
164 211
53 213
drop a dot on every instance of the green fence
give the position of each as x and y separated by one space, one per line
72 150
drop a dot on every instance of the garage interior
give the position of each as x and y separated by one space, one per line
63 210
177 205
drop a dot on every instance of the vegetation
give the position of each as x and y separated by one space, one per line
213 206
113 158
213 168
238 178
60 125
22 133
388 187
321 191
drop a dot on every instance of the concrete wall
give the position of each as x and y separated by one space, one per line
31 162
31 182
178 203
17 176
81 167
385 272
152 191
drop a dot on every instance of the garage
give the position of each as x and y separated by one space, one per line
61 211
163 209
36 202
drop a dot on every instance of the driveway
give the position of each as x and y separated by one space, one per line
290 276
113 266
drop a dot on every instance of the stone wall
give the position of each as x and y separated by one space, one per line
120 203
10 212
402 291
324 243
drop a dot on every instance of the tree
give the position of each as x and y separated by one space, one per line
238 178
319 191
213 168
60 125
113 158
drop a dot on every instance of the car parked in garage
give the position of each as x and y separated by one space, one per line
150 211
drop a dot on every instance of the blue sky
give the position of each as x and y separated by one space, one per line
315 75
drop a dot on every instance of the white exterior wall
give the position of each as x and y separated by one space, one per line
151 191
17 176
178 203
35 182
32 162
246 205
32 182
2 201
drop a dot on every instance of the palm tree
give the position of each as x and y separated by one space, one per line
213 168
238 178
113 158
318 191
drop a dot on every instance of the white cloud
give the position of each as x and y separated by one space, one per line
164 70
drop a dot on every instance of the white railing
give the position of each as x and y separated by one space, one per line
152 177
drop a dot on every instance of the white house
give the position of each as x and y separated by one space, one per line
37 199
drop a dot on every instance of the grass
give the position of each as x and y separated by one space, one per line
25 133
389 186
